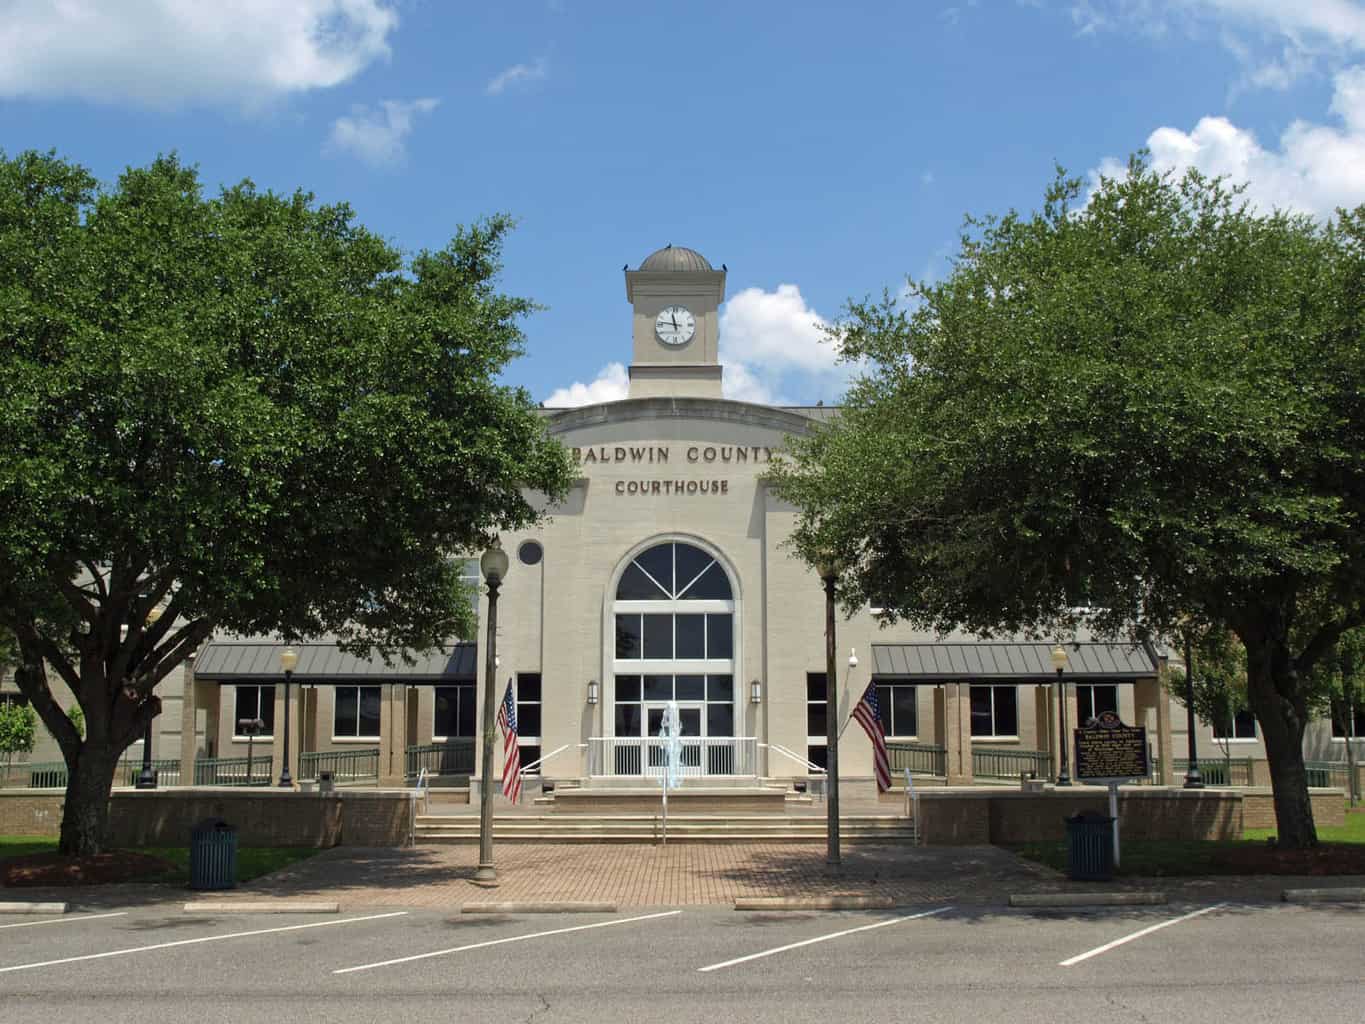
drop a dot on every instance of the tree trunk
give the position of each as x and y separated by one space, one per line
85 816
1277 697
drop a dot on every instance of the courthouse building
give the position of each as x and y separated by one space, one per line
664 576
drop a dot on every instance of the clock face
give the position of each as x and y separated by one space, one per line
675 326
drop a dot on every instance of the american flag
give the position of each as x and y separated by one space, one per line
869 716
511 751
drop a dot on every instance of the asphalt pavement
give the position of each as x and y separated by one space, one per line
1192 962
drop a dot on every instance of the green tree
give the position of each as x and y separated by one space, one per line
1339 680
246 410
1153 398
1218 684
18 724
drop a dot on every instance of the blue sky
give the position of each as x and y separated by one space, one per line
822 151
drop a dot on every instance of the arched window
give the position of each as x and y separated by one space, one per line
674 639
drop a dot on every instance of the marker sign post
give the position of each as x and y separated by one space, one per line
1109 752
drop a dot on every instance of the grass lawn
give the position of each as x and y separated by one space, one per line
1342 851
252 862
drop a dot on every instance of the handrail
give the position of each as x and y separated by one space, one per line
527 769
806 763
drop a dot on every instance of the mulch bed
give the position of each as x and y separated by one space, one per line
1326 859
55 869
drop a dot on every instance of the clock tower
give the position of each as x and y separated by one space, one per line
676 295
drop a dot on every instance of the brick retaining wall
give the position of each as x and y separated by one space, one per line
263 817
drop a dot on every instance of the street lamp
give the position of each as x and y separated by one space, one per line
1193 780
1059 663
828 568
289 658
250 727
493 565
146 779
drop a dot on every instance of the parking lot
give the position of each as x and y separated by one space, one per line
1200 962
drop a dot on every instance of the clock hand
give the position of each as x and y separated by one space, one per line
674 318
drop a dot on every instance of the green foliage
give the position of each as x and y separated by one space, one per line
18 726
1154 398
77 718
1219 682
249 410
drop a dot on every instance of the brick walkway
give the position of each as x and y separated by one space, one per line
647 875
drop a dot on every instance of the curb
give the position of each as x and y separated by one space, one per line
279 907
816 903
1088 899
1354 895
21 907
539 907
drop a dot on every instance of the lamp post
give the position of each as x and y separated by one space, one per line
249 727
828 569
1059 663
493 565
146 779
1193 779
289 658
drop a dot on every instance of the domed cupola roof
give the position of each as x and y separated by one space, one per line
675 257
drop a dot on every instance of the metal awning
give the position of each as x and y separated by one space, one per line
259 661
1015 662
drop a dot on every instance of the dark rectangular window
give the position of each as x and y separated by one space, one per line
658 687
658 636
627 636
720 643
817 754
627 687
454 711
1093 700
995 711
1339 734
627 719
356 712
720 720
899 710
690 688
1242 726
815 705
254 702
528 715
720 688
691 637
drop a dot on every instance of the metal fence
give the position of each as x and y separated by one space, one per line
1010 764
345 765
1216 771
53 774
167 771
232 771
920 758
1328 774
645 756
452 757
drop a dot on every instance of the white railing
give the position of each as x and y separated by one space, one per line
534 766
816 784
701 756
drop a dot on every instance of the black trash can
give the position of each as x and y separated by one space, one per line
213 855
1090 847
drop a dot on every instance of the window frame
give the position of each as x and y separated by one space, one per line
1238 717
359 737
993 736
259 737
886 708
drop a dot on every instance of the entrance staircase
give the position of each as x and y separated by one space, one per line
648 828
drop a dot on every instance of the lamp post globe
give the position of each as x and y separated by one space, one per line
1059 660
289 659
146 778
493 564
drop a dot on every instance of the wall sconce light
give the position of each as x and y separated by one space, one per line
592 691
755 692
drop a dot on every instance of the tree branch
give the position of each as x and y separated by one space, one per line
32 680
1325 639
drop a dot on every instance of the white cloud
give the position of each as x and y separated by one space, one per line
1317 167
172 53
772 342
517 75
610 385
377 135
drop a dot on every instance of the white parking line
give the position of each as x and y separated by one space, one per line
820 938
64 920
499 942
1137 935
205 938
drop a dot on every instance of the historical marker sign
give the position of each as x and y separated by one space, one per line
1108 749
